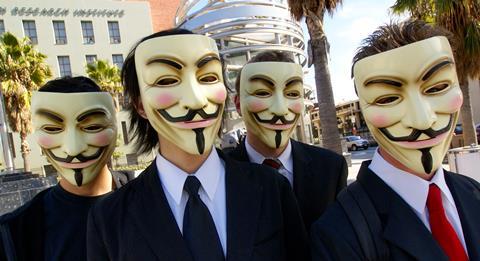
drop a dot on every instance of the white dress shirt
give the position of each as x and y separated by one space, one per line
285 158
212 192
414 190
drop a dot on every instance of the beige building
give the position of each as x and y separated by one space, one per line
72 33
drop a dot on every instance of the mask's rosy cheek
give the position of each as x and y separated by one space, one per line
46 142
220 95
379 120
256 105
296 107
102 139
165 100
456 102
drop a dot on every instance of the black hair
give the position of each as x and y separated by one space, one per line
145 134
69 84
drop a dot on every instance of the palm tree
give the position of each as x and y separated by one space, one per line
313 12
107 76
462 18
22 70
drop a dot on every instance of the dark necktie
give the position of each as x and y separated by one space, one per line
442 230
199 230
272 163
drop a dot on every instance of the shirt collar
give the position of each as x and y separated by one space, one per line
173 178
285 158
413 189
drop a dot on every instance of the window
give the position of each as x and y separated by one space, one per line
114 32
117 60
64 65
30 31
2 27
60 32
124 132
90 58
87 31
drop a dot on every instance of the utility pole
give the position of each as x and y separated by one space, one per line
7 154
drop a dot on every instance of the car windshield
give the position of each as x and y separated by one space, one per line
355 138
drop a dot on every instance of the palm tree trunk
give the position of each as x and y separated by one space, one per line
25 151
466 112
326 103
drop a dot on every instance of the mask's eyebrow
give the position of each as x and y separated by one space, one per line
168 62
50 115
435 68
90 113
263 78
294 79
384 81
206 59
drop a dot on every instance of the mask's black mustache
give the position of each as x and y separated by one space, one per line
80 157
190 115
274 119
78 176
416 132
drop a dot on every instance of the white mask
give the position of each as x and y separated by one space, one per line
76 131
182 89
410 98
271 100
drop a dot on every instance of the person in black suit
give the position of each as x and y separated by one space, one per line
192 202
270 100
404 205
75 126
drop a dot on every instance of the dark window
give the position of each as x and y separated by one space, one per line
114 32
60 32
30 31
12 144
87 32
117 59
124 132
90 58
2 27
64 66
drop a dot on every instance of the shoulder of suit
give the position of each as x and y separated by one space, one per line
25 210
466 181
257 173
333 221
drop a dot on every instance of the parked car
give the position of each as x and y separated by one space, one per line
459 130
356 142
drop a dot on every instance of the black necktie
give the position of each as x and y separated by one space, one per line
199 229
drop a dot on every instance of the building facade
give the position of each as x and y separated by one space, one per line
72 33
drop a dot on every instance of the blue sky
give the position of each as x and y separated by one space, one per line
352 22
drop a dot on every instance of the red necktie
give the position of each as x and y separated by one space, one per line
442 230
272 163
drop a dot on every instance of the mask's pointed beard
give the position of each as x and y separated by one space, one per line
78 176
427 160
278 138
200 139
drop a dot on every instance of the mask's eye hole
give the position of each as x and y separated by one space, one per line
52 129
292 94
262 93
208 78
387 100
437 89
167 81
93 128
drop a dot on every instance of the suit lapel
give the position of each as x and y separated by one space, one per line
302 174
402 227
154 219
243 198
467 201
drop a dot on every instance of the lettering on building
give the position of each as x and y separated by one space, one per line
63 12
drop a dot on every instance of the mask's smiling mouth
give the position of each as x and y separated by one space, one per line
414 139
83 161
194 119
276 122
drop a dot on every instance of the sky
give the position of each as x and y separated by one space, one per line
345 30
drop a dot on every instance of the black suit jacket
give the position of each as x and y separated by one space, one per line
407 238
263 220
318 176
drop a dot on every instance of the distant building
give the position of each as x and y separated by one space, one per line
72 33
